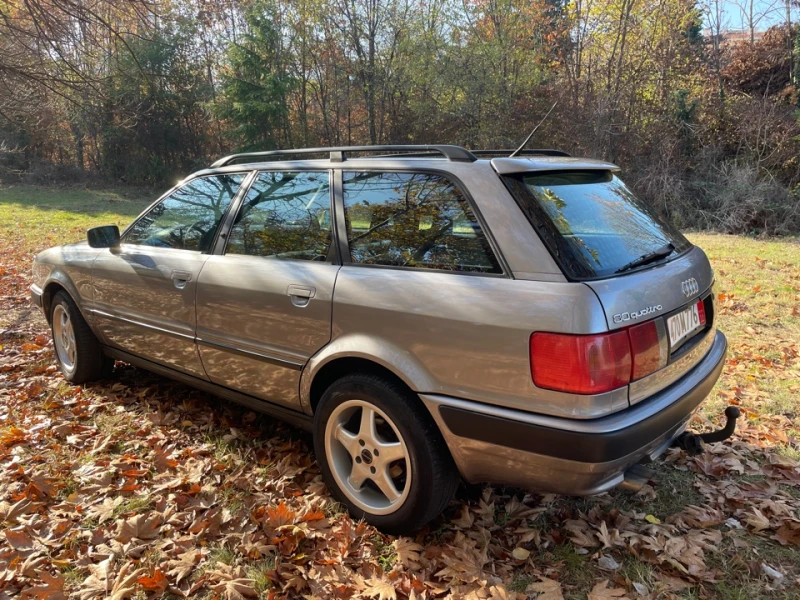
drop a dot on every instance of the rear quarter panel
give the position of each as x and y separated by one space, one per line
455 334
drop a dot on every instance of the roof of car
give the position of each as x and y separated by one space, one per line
503 161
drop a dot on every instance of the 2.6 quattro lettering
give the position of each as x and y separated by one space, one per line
632 316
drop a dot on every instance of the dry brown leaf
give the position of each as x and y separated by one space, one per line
143 527
181 568
580 533
52 588
408 553
236 589
125 582
607 537
19 539
465 518
10 512
164 460
280 515
499 592
155 583
601 591
788 533
105 510
756 519
382 589
547 589
521 553
102 581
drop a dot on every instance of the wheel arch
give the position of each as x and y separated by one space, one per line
360 354
51 288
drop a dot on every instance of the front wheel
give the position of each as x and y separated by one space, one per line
381 454
78 353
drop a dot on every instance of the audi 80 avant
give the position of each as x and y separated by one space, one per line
430 313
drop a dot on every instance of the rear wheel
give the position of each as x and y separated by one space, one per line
78 353
381 454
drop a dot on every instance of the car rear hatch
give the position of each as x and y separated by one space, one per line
649 279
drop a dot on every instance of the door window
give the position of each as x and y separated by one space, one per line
188 218
284 215
413 220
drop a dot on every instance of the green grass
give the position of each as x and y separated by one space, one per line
259 573
764 275
576 572
675 489
133 505
759 312
220 554
41 216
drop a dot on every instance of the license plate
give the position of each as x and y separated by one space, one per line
684 324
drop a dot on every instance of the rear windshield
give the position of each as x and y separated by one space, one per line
592 224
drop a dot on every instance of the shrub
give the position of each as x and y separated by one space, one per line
735 198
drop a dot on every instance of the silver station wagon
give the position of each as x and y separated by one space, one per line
430 313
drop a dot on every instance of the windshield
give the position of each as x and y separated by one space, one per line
593 225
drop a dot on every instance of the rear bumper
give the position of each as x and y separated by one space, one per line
568 456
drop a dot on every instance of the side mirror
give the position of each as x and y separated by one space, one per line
106 236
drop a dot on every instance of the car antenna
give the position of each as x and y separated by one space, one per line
528 139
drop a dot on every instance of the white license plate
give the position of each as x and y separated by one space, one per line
682 325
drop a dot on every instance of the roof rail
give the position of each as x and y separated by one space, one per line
337 153
532 151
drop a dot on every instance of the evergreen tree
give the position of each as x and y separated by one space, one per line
255 85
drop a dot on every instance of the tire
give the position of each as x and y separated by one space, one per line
78 352
357 475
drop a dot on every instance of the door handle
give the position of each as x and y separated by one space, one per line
181 278
300 294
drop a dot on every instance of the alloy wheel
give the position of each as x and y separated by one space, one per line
368 457
64 338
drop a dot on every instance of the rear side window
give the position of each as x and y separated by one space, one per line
413 220
593 225
188 218
284 215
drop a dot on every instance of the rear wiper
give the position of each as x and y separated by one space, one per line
646 259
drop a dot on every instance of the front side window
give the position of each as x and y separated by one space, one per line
413 220
284 215
188 218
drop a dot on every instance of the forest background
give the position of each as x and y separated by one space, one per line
704 121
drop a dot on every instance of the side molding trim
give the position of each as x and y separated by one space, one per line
280 362
105 315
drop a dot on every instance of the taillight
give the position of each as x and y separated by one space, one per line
594 364
581 364
648 349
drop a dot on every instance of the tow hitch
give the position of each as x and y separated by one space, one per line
638 475
693 442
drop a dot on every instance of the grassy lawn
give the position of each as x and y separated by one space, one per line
217 497
46 216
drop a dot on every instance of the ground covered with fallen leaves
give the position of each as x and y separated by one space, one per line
138 487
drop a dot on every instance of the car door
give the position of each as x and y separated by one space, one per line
144 290
264 300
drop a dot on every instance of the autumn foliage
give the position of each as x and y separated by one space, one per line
146 91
